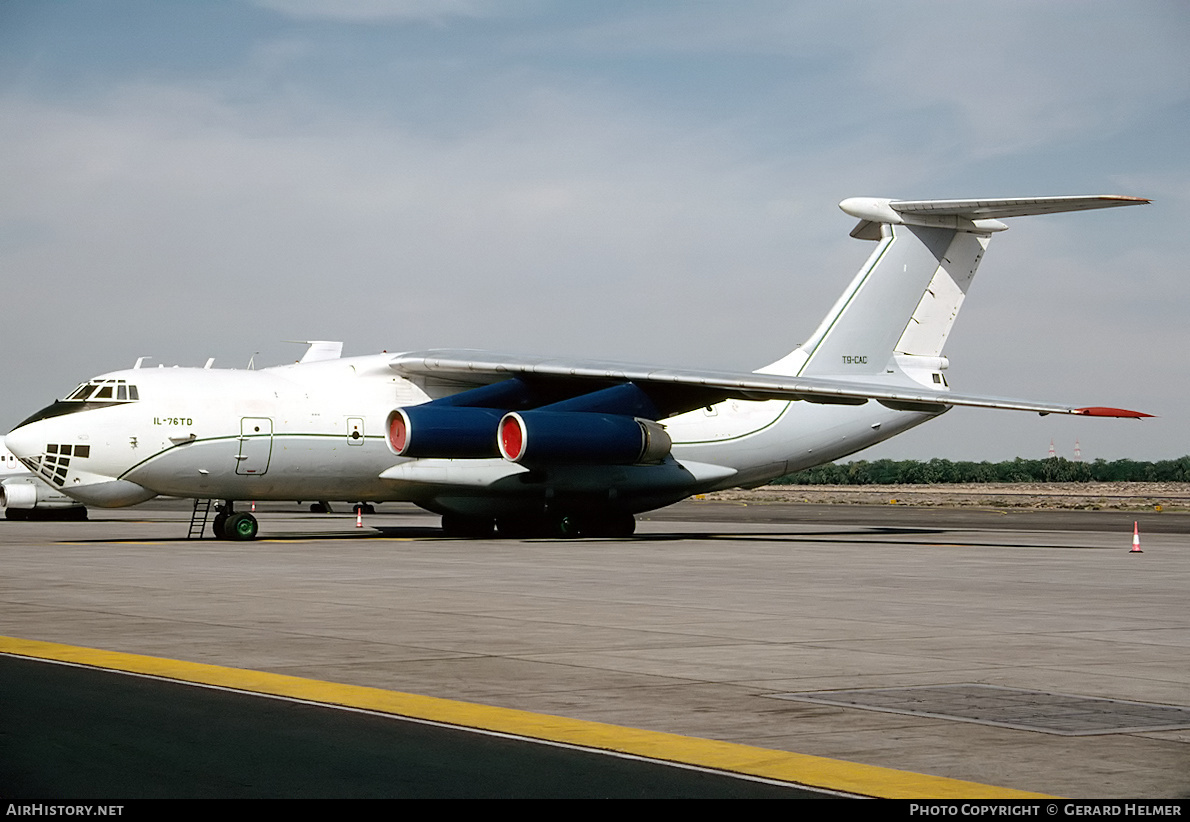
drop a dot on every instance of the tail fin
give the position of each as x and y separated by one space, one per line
904 301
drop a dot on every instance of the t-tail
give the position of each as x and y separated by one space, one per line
893 321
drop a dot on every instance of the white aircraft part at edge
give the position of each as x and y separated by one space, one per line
24 496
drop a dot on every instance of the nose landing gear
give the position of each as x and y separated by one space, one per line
229 524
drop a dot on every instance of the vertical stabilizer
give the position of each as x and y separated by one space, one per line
858 337
903 302
932 320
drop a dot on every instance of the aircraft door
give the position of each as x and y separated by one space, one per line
355 430
256 445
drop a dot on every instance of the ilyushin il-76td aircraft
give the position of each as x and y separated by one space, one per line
529 446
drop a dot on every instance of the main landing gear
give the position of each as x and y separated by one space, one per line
230 524
558 526
77 514
324 507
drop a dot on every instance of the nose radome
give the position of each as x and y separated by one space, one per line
25 443
57 463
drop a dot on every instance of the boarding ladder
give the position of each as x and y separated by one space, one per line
198 519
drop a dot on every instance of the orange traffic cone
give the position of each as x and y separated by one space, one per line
1135 539
254 506
359 518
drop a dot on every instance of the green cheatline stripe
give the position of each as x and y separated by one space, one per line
815 771
226 437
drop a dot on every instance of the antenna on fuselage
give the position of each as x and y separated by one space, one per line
139 362
252 361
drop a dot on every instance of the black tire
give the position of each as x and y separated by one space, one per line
569 527
521 527
464 527
612 526
240 527
217 526
566 526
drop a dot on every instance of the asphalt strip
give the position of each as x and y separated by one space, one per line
745 760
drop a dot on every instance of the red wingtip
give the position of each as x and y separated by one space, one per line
1100 411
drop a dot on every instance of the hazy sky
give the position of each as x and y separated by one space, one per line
643 181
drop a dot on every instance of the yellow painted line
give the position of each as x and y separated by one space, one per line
277 540
802 769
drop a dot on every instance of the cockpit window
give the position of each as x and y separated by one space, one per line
93 394
104 391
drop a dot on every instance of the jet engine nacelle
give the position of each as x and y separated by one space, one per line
580 437
28 493
443 431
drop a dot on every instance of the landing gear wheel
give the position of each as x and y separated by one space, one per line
217 525
464 527
623 525
615 526
520 527
240 527
569 527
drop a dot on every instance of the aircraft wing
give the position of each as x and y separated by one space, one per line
677 390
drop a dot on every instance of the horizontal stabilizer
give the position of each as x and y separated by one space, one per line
1016 207
971 215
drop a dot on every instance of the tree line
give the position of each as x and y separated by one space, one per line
1053 469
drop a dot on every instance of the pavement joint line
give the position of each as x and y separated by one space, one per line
285 539
782 766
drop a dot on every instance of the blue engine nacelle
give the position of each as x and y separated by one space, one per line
579 437
444 431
